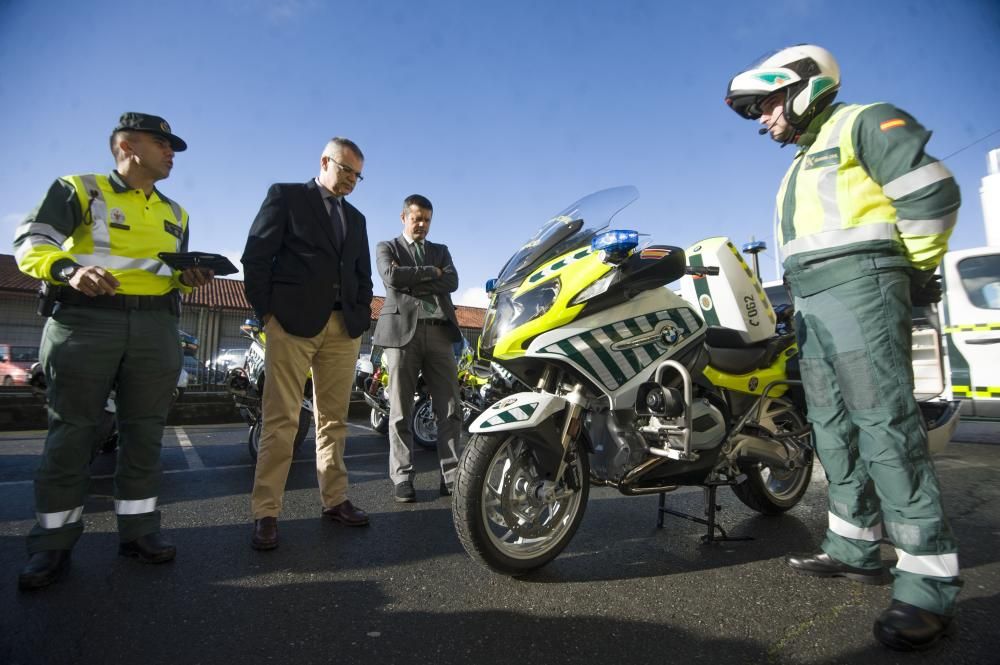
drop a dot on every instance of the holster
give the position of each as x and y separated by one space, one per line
48 294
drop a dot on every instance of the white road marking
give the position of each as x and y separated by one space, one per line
190 454
226 467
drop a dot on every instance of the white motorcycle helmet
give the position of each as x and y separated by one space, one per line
808 73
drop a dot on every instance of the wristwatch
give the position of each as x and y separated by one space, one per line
66 274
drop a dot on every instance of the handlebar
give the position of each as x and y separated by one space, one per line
701 271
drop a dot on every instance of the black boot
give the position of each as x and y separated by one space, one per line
824 565
906 627
43 568
151 548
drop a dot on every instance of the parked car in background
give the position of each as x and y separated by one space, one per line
15 364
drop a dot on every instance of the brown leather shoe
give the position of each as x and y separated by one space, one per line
265 533
347 514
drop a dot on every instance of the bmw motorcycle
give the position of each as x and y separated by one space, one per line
634 387
246 385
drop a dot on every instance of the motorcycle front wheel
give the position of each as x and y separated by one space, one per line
773 490
423 424
507 515
253 441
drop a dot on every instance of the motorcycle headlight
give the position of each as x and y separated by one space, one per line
507 312
533 304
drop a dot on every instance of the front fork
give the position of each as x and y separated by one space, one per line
571 427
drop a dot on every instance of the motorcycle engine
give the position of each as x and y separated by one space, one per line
708 426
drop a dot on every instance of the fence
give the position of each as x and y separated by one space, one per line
216 329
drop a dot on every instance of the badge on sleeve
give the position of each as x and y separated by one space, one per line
173 229
889 124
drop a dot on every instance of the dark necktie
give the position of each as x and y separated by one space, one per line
337 219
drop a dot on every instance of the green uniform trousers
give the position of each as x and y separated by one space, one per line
86 351
855 344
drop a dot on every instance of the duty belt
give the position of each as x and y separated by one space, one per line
168 301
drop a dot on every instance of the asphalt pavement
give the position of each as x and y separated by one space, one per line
404 591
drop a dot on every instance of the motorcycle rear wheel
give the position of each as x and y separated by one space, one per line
253 442
379 421
770 490
423 424
501 520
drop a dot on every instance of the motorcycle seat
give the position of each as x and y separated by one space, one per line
727 352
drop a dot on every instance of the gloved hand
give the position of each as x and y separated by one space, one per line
927 293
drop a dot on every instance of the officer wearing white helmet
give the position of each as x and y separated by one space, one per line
864 216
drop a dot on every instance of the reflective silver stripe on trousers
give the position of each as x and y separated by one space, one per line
839 237
927 174
826 184
935 565
927 227
56 520
842 527
153 266
98 215
136 507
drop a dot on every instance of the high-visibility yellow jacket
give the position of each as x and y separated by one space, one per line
861 180
97 220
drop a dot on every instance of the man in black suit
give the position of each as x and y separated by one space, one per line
417 327
308 277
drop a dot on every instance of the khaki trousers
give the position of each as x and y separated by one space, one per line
331 354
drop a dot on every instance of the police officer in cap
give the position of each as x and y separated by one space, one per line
94 240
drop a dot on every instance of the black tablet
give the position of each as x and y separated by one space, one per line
183 260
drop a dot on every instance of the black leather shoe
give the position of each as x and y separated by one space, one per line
151 548
346 513
404 493
905 627
823 565
43 568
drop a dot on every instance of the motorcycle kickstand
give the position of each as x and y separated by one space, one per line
711 508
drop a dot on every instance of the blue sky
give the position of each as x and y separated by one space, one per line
502 113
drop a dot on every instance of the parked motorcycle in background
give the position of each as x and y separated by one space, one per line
246 385
478 388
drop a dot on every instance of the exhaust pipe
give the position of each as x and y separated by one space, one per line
763 451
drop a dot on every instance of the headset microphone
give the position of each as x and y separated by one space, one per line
762 131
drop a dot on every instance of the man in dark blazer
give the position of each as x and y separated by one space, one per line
417 327
307 272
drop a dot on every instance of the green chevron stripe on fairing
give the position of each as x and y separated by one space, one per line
571 352
632 326
632 360
609 363
701 288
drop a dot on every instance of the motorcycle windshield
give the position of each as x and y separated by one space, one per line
573 227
